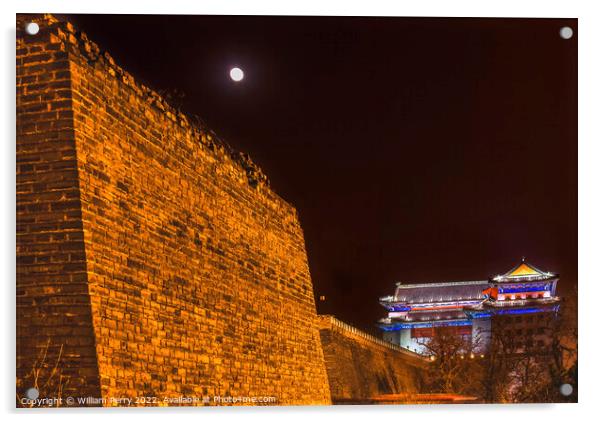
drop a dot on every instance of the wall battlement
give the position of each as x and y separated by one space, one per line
362 367
65 37
329 322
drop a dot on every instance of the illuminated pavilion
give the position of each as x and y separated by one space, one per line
467 308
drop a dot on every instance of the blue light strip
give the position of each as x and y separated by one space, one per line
478 315
523 289
417 307
404 326
395 308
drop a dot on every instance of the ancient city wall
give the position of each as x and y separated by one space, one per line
54 319
159 260
361 367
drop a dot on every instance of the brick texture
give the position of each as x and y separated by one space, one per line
160 260
361 367
54 318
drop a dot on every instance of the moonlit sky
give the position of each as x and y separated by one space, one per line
414 149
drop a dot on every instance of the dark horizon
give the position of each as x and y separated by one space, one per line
414 149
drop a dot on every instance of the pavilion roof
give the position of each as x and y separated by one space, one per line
440 292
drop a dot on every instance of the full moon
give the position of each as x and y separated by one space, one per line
236 74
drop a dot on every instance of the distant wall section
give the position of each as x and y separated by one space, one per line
361 366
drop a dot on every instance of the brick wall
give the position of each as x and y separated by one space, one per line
361 367
184 272
54 324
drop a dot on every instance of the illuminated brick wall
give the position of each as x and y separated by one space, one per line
54 318
361 367
161 260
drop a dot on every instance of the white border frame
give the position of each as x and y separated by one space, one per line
590 205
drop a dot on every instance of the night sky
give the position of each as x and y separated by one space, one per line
414 149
